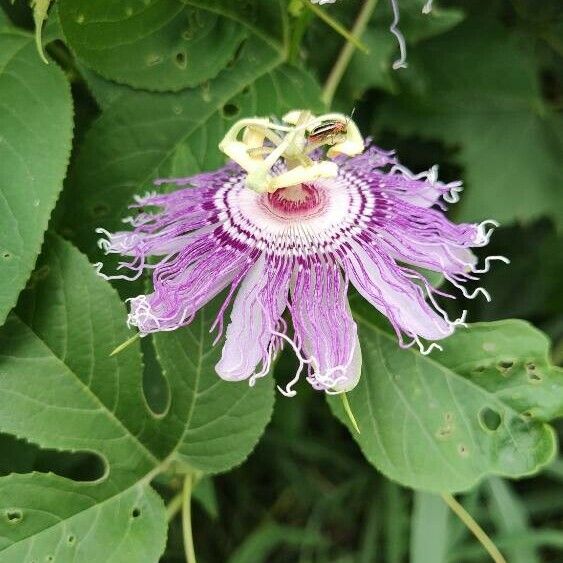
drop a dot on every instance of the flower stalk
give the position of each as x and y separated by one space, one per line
474 528
346 53
187 532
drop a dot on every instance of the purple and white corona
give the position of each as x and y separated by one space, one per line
284 229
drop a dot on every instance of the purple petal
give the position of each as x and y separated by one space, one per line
388 289
255 316
324 328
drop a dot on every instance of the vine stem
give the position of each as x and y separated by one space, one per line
352 39
187 519
475 529
174 506
346 53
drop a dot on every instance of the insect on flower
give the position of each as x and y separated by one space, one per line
328 132
283 230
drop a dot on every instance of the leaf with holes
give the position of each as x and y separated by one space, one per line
35 139
63 391
137 138
442 422
161 44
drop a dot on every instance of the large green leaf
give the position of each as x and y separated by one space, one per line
163 44
35 139
216 414
441 422
475 89
138 137
62 390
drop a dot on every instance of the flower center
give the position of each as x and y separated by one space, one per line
300 200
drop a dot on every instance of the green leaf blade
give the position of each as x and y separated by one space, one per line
48 520
430 427
35 141
223 420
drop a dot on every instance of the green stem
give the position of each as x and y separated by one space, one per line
345 55
298 31
475 529
351 38
174 506
187 519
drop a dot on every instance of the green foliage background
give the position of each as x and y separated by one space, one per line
94 449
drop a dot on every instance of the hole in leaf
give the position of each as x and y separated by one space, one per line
14 515
181 59
480 369
246 90
71 539
49 558
505 365
489 419
6 255
80 466
136 512
230 110
447 429
533 375
462 450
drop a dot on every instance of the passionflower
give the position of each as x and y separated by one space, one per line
285 227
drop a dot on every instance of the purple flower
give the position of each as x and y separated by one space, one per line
347 220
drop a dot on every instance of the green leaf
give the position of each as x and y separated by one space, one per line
65 392
160 44
35 141
220 422
474 88
442 422
44 517
140 135
205 494
105 91
4 19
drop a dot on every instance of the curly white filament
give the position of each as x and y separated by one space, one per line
401 62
